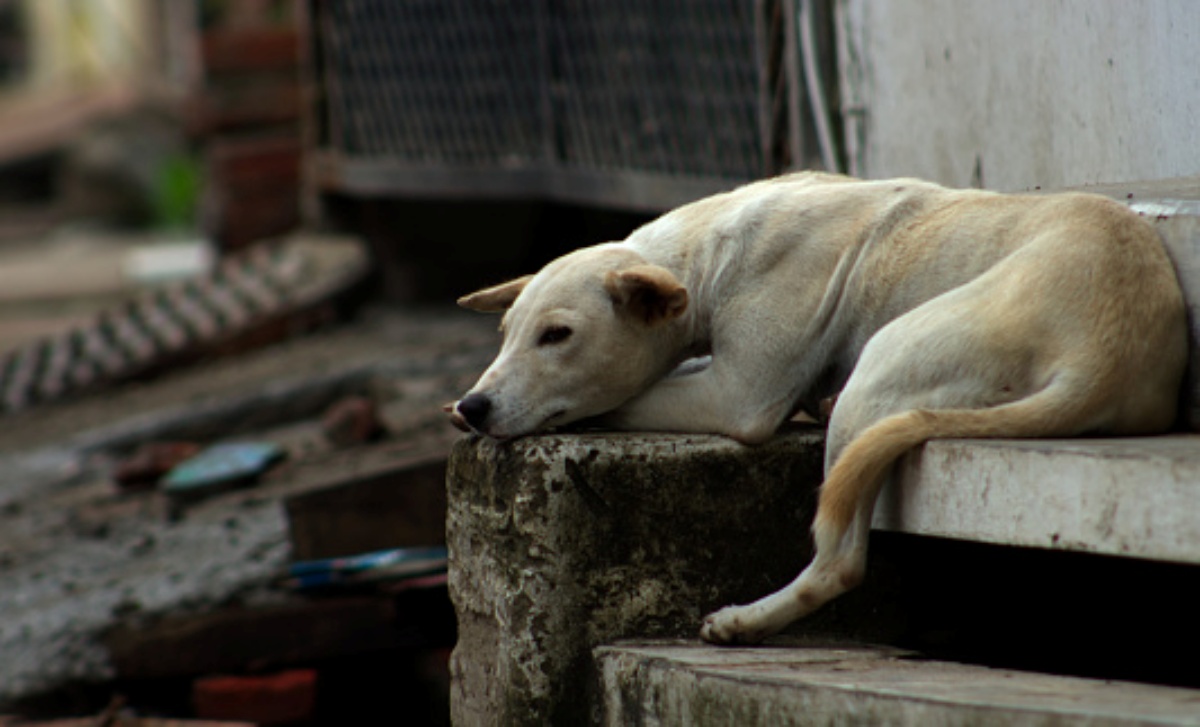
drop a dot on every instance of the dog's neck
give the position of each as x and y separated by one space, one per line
691 331
690 265
712 266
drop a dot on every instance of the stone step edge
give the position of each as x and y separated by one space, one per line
1132 497
678 682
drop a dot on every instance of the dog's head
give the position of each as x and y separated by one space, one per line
585 334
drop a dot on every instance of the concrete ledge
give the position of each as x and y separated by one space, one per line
561 543
674 683
1129 497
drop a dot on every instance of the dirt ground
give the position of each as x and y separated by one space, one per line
79 556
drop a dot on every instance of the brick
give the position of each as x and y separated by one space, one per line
151 461
250 49
288 696
350 421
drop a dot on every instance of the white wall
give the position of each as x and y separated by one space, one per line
1046 93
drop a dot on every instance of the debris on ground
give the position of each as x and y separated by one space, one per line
112 591
289 696
401 567
219 468
352 420
150 462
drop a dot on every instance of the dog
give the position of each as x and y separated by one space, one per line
929 312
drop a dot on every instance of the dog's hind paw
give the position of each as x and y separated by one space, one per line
730 626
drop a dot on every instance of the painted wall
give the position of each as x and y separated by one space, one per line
1023 93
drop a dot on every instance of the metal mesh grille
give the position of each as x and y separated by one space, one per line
455 82
662 86
659 86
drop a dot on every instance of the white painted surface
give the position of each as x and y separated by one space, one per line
1034 93
1130 497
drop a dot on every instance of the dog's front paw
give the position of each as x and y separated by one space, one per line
732 625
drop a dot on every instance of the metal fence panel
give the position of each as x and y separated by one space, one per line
552 90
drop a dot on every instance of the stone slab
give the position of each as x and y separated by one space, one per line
1136 497
694 684
561 543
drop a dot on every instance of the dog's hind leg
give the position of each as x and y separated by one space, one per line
847 501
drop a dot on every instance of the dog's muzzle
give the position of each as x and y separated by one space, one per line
471 412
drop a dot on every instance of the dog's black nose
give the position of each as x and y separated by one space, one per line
474 408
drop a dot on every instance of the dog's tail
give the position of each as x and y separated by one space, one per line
856 478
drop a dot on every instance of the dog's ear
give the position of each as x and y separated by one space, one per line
496 299
647 292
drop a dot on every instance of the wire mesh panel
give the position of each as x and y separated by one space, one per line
667 88
450 81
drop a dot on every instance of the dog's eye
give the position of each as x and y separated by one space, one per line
553 335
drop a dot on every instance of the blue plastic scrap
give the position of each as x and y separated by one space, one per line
219 467
382 565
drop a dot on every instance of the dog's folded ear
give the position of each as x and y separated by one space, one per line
496 299
647 292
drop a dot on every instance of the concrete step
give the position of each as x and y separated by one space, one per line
1129 497
564 543
666 683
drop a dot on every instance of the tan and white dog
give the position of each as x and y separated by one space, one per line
934 312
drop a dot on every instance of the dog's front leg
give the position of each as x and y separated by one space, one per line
711 401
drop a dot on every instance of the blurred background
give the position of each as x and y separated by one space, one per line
244 222
145 139
138 140
465 140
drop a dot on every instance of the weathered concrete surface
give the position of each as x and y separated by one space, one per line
1131 497
1014 95
692 684
566 542
1174 210
561 543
